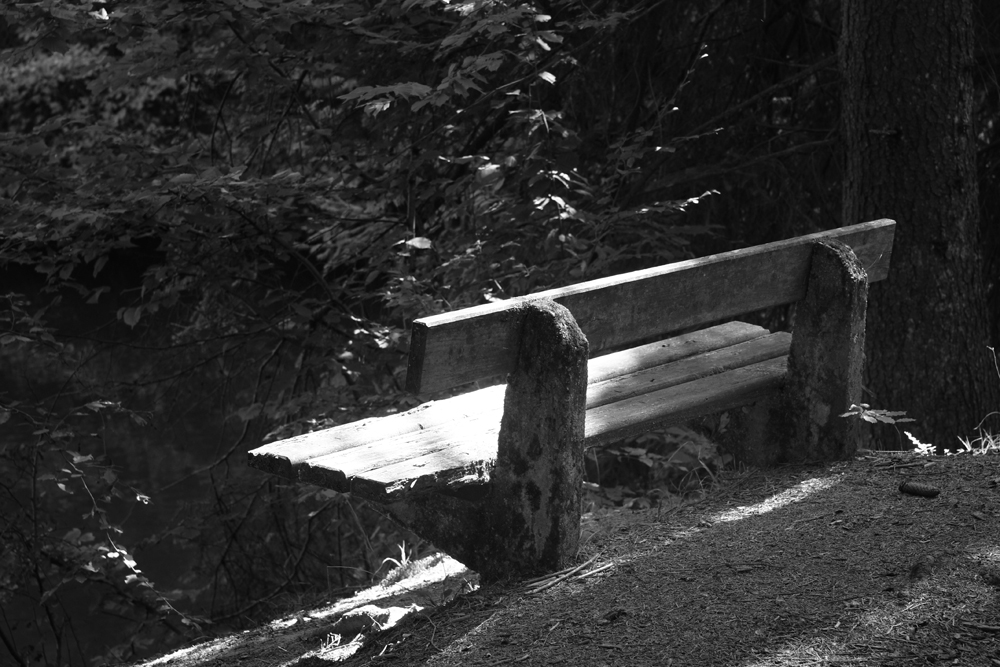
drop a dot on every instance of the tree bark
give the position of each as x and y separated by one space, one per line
910 156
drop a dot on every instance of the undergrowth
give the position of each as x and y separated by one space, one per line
982 443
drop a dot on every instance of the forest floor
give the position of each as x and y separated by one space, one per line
829 566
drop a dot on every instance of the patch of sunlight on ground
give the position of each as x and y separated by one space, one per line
811 651
798 492
988 553
945 598
355 615
370 617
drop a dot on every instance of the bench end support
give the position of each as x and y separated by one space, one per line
827 356
531 515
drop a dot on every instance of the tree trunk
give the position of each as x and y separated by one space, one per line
910 156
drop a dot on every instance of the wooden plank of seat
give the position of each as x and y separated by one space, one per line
474 343
452 443
680 403
359 439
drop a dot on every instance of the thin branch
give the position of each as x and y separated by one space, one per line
649 171
280 587
218 117
229 452
8 642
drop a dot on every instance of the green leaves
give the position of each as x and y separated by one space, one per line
864 411
378 98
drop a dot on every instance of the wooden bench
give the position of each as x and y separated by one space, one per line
493 476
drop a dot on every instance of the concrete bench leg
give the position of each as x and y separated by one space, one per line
827 357
531 515
529 519
824 372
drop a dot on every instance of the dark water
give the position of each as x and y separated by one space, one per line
215 537
162 459
177 440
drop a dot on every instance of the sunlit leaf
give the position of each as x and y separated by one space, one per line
130 315
375 107
249 412
419 242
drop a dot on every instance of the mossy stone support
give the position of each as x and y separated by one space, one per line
531 515
528 520
827 357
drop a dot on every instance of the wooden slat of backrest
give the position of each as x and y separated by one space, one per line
636 359
679 372
474 343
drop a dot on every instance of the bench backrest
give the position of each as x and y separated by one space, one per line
480 342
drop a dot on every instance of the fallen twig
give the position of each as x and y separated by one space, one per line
434 628
504 661
897 466
979 626
600 569
562 577
546 577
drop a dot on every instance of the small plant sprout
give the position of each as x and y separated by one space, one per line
922 448
866 412
986 441
873 416
404 558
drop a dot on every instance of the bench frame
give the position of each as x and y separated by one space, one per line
527 518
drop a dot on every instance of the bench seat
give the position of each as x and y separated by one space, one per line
450 445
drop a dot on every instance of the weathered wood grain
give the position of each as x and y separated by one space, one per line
665 351
474 343
333 457
680 403
658 377
449 468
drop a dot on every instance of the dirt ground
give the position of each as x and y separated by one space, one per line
829 565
